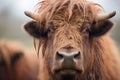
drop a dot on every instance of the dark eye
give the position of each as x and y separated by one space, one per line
50 27
48 30
86 27
88 30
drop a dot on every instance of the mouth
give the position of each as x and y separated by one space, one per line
67 71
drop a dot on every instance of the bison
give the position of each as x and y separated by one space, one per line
74 40
16 62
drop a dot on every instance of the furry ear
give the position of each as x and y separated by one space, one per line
35 30
101 28
17 55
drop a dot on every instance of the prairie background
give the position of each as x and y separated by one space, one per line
12 18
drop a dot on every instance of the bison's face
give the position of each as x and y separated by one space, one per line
10 56
16 62
68 47
67 44
64 50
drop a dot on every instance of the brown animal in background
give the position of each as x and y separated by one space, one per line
17 63
73 40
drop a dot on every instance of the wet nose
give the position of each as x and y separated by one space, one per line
63 55
68 57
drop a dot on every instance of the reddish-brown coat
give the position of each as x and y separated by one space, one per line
16 62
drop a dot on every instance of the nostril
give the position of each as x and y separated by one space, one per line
77 55
59 56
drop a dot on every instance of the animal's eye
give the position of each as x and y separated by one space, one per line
50 30
50 27
86 27
88 30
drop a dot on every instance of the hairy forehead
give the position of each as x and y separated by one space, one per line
76 21
72 11
77 18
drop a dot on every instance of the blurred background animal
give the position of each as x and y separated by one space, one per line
17 62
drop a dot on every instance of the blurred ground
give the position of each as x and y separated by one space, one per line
12 18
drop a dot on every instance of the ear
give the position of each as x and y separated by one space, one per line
101 28
35 30
16 57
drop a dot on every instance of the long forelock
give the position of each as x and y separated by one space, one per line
49 8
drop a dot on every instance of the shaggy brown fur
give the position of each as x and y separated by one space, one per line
17 63
73 23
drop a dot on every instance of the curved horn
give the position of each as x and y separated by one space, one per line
32 15
105 16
